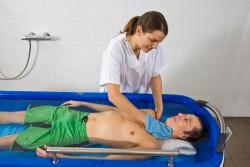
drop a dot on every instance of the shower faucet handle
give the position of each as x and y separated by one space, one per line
31 33
32 36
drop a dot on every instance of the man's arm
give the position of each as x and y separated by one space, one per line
94 106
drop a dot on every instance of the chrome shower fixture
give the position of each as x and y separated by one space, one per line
33 37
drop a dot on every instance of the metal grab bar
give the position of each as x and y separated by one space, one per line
113 151
223 136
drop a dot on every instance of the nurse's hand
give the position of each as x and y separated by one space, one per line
158 114
72 103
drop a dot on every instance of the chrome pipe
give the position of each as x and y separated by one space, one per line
113 151
224 136
219 116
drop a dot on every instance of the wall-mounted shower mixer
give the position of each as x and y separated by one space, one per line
33 37
30 37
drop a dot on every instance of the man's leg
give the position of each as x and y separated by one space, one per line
12 117
6 141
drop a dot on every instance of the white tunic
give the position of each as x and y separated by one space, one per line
120 66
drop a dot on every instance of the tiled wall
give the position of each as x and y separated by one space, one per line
208 46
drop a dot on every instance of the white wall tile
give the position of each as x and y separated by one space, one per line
203 84
244 107
226 60
13 7
97 33
235 85
44 59
62 59
115 25
241 63
200 8
212 61
96 58
191 60
177 34
96 8
22 55
80 58
221 8
231 106
117 8
235 32
15 84
81 81
180 83
95 79
38 25
56 7
8 58
4 31
246 91
196 32
235 106
174 56
137 8
241 9
18 28
64 80
86 81
161 6
216 33
78 31
3 84
58 28
76 8
47 80
179 8
246 34
30 82
35 7
221 84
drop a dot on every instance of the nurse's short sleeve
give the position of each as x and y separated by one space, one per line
114 69
110 72
161 62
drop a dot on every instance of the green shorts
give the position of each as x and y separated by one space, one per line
53 126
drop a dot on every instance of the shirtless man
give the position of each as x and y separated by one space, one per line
61 126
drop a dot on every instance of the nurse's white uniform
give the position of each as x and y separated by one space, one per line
120 66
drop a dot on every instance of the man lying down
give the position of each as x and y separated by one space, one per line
61 126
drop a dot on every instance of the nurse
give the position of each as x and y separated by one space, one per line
133 61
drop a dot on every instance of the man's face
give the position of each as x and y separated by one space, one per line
149 41
183 123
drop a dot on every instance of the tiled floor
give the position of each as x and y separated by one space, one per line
238 146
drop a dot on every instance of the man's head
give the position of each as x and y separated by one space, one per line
185 126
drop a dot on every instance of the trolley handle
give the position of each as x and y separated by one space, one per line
223 136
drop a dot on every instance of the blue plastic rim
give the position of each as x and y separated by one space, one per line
205 157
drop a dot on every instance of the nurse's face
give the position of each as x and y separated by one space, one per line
149 41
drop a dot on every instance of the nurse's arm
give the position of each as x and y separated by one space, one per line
121 102
156 87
